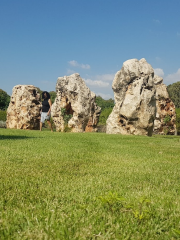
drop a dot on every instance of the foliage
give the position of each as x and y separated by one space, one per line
167 119
45 125
106 109
174 93
53 96
66 128
166 128
3 115
2 124
116 203
50 183
66 116
112 201
104 103
4 100
142 211
104 116
40 91
178 120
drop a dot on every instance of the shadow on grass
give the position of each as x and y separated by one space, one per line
170 137
167 136
13 137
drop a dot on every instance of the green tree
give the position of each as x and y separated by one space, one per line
174 93
106 109
104 115
3 115
178 120
53 96
39 90
104 103
4 100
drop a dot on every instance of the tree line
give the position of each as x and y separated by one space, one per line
4 100
174 93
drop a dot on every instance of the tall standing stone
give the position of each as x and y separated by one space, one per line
73 96
24 108
135 101
165 121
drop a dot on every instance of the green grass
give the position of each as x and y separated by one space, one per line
88 186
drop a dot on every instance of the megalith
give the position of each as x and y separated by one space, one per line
74 106
24 108
135 102
165 121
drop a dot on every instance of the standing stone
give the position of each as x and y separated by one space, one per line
165 121
135 102
78 102
24 108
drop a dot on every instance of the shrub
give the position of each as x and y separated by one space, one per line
167 119
65 115
52 123
103 104
67 129
4 100
53 96
104 116
2 124
178 120
66 118
174 93
3 115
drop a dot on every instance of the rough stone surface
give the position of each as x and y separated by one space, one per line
135 102
73 95
165 109
24 108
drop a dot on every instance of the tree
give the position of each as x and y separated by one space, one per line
106 109
4 100
174 93
53 96
104 103
104 116
178 120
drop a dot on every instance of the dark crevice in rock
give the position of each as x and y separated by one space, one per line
148 87
131 120
69 109
122 116
141 89
123 123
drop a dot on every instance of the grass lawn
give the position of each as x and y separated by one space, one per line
88 186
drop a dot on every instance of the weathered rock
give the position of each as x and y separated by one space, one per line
75 97
165 121
135 102
24 108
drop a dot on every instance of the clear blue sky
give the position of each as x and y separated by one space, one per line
41 40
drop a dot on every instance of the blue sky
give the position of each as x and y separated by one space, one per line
41 40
